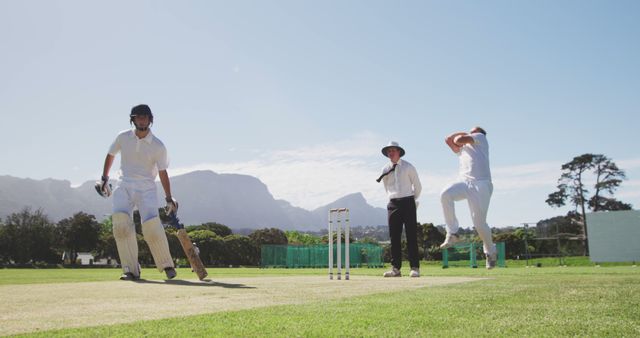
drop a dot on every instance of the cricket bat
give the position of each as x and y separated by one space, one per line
187 246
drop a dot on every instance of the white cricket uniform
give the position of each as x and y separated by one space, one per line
140 161
474 184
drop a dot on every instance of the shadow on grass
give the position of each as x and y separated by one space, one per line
204 282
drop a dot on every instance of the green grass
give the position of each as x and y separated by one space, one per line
74 275
549 301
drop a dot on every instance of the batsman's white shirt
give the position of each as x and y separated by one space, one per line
403 181
141 159
474 159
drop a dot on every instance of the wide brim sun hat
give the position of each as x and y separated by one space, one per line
392 144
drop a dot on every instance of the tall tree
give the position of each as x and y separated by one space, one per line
571 186
268 236
608 179
211 246
28 237
296 237
80 232
241 250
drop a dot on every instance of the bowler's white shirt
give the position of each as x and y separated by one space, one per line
474 159
403 181
141 159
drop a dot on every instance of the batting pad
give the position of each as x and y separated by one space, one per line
125 236
155 237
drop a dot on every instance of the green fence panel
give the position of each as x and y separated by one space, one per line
317 256
466 254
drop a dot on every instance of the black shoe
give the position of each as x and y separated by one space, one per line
129 276
170 272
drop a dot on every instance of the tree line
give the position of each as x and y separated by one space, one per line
30 238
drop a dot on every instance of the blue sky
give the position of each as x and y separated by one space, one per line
304 94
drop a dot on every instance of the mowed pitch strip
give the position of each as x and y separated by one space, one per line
38 307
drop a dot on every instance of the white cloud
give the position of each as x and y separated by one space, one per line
532 175
314 175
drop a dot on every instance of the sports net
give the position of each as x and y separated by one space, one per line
317 256
468 254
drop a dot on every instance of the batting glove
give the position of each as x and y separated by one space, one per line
172 206
103 187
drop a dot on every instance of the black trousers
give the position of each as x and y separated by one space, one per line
402 211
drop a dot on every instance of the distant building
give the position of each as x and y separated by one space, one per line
86 258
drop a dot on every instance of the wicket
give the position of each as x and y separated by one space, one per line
339 216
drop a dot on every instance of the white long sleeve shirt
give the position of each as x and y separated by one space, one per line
403 181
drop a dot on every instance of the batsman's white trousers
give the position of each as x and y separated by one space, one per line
143 195
156 239
140 194
478 195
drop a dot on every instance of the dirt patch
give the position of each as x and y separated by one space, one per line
41 307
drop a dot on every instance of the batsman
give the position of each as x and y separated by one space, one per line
142 157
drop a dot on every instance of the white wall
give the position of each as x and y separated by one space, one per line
614 236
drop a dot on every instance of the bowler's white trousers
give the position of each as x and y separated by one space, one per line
478 195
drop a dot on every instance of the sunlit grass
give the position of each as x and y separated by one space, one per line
548 301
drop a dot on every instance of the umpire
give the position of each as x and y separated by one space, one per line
403 187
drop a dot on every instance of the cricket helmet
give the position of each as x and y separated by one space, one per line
140 110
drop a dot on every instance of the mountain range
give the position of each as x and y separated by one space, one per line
238 201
